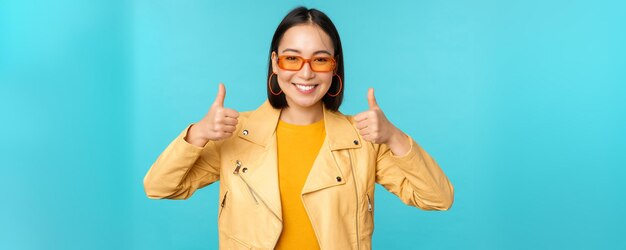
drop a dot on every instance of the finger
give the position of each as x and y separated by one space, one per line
371 99
221 95
228 128
367 131
360 117
364 132
230 121
361 125
226 135
231 113
367 137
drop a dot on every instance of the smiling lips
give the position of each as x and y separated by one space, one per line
305 89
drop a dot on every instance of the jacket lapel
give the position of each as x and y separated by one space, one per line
262 174
326 170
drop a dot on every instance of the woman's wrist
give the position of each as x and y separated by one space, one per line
194 136
399 143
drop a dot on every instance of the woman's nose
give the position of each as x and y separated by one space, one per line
306 72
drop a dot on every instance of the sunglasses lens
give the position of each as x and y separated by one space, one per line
290 62
322 64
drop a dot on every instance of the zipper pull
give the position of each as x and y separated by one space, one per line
369 203
237 168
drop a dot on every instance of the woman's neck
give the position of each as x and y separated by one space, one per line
298 115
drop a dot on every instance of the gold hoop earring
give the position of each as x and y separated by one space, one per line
269 85
340 86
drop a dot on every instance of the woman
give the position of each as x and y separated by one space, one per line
296 173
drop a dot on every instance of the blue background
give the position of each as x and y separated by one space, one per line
521 103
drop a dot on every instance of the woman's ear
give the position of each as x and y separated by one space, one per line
274 62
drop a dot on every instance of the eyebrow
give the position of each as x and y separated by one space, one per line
316 52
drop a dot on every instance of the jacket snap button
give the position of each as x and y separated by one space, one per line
356 142
338 179
245 170
245 132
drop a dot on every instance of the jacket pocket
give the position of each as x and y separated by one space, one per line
368 217
222 204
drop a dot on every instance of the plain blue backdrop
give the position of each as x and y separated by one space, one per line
522 103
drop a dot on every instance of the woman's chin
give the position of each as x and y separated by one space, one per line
303 102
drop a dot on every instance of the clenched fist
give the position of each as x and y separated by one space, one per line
218 124
374 127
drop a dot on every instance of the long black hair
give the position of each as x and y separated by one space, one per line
303 15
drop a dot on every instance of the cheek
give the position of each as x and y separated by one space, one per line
326 80
284 78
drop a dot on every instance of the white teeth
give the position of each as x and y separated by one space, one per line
305 87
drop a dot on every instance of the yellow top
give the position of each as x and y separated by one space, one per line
298 146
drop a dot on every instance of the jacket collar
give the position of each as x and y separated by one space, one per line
261 125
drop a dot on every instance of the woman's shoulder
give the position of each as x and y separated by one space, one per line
347 117
265 110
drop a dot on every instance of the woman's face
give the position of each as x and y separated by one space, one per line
306 41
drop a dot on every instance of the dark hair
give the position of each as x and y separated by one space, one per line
302 15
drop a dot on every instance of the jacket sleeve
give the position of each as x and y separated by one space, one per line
181 169
414 177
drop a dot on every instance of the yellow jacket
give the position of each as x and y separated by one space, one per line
338 194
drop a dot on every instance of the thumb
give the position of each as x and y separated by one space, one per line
221 94
371 99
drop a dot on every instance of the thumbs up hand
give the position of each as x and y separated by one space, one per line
218 124
372 124
374 127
